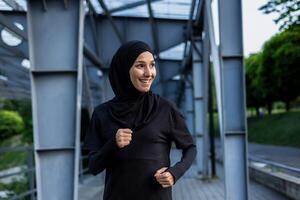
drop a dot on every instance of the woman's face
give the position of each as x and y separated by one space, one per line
143 72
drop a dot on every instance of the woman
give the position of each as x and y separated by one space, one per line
130 136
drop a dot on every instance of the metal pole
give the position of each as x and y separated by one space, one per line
205 81
30 176
189 107
55 35
200 101
233 98
211 126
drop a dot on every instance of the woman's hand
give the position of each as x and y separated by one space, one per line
123 137
165 179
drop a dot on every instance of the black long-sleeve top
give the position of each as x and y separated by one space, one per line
130 170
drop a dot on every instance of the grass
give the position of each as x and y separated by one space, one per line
11 159
277 129
281 128
15 188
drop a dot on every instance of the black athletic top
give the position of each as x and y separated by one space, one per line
130 170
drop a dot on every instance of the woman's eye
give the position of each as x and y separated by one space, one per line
139 66
153 65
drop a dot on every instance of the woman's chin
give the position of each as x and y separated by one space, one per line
143 89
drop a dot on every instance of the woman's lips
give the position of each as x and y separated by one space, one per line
145 80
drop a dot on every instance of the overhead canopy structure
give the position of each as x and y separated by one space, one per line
57 54
120 20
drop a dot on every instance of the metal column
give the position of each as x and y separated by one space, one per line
55 30
189 107
233 97
200 102
209 152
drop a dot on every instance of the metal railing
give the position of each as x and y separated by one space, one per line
30 170
274 165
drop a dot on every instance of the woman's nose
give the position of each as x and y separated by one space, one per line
147 71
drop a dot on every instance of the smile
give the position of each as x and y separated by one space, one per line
145 80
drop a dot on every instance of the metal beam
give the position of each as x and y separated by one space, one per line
189 106
10 25
14 93
138 29
133 28
233 97
153 29
87 91
7 23
14 73
107 13
14 50
189 30
200 104
155 40
93 29
14 5
216 61
56 81
169 68
130 5
205 93
199 20
93 57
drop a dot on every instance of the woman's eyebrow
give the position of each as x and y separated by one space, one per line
141 61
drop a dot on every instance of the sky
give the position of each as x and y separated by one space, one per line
257 27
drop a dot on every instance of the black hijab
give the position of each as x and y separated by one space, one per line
130 108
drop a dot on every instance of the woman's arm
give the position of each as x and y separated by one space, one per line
98 160
100 150
180 134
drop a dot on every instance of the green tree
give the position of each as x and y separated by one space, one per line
11 123
287 10
254 90
280 69
24 109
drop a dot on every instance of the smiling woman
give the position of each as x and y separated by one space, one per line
131 135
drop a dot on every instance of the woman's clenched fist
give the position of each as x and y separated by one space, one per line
123 137
164 178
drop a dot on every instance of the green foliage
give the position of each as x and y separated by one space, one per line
12 159
278 129
255 95
24 108
11 124
279 72
288 11
273 74
16 187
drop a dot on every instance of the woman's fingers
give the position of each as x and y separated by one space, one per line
165 179
123 137
126 130
159 171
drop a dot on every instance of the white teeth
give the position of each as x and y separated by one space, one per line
144 81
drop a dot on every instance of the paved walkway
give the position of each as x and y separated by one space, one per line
187 188
284 155
287 156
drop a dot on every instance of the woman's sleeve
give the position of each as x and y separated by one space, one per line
180 134
100 150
